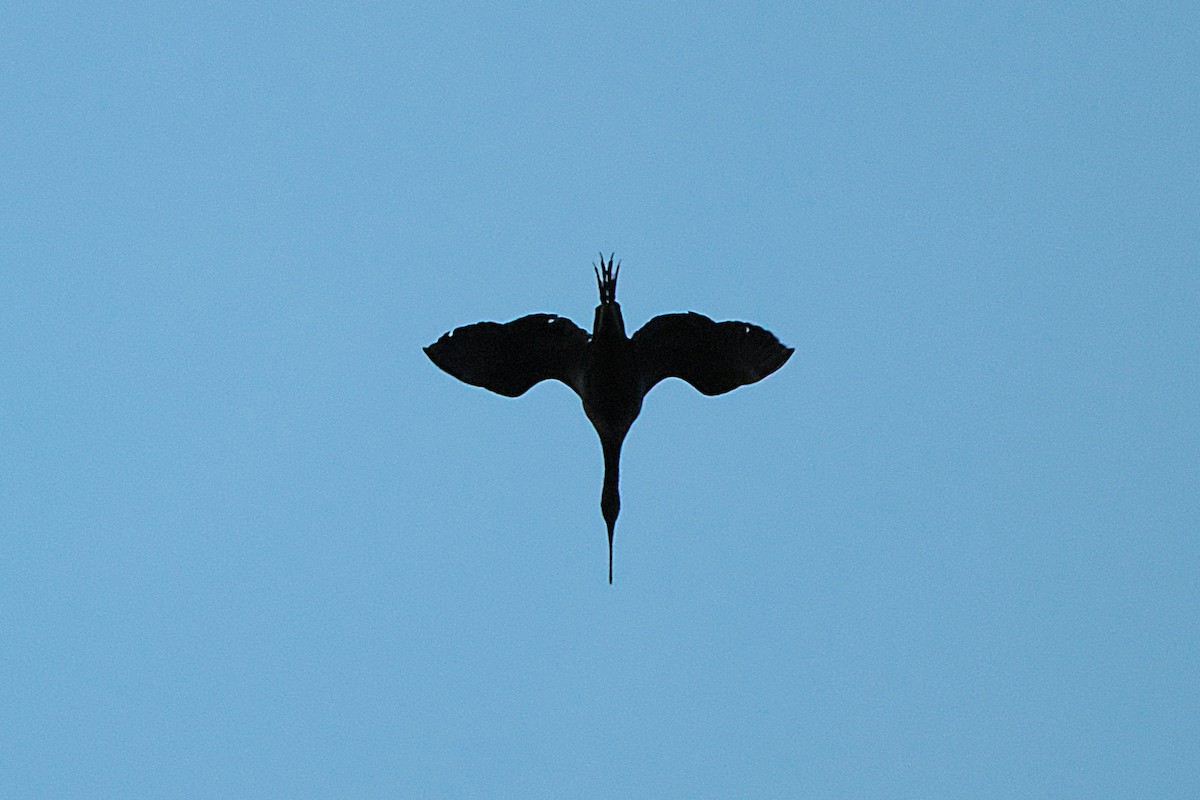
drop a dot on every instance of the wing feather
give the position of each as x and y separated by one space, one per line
510 358
714 357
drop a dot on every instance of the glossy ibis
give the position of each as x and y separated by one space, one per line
610 371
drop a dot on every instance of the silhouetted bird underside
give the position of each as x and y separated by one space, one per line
610 371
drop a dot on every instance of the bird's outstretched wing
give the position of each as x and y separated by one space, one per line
509 358
714 357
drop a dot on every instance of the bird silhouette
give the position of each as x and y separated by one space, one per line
610 371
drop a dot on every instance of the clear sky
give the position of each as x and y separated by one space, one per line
255 545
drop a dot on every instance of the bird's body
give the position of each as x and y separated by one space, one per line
612 391
612 399
610 371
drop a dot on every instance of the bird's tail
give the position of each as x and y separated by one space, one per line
606 279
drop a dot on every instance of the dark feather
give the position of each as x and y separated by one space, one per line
610 372
509 358
714 357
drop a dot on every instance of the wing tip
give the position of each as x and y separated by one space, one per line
784 353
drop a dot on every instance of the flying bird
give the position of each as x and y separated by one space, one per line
610 371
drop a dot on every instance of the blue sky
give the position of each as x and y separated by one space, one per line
256 545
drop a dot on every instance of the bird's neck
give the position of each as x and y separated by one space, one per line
611 446
610 495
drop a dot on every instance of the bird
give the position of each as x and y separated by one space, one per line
609 371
